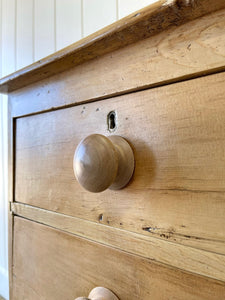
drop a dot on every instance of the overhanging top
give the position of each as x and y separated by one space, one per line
142 24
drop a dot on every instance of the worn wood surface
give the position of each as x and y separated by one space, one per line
179 256
179 53
50 264
178 136
173 210
137 26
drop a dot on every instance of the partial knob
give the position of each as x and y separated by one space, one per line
103 162
100 293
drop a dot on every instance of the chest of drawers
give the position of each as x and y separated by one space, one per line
157 79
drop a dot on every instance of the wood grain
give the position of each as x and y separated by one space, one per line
178 136
100 163
187 51
173 210
179 256
49 264
146 22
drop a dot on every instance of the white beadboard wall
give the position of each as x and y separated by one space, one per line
29 31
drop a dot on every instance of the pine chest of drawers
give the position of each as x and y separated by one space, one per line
157 79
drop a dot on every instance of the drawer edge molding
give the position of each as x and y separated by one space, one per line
186 258
158 17
172 56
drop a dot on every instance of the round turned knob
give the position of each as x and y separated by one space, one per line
103 162
100 293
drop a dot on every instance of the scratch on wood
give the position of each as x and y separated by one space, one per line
189 47
150 229
172 234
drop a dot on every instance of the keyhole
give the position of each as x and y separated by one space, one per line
111 121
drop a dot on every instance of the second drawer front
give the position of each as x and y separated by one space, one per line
178 136
49 264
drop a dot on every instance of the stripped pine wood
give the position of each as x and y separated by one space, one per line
179 256
177 134
167 57
67 267
161 237
145 23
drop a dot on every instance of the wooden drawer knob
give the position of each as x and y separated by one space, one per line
100 293
103 162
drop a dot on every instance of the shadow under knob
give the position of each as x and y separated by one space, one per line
103 162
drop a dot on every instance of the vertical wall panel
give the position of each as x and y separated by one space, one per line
8 36
24 33
44 28
98 14
126 7
68 22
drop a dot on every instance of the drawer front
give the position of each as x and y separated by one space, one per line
178 136
50 264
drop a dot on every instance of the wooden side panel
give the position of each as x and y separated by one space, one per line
49 264
178 136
